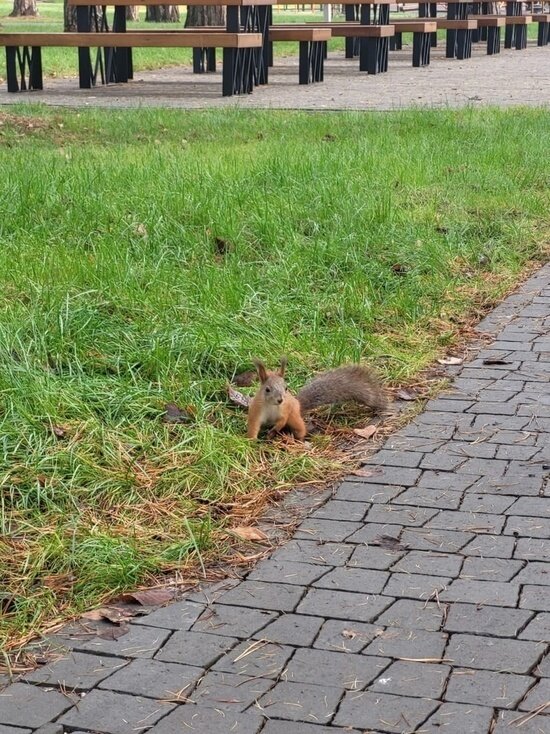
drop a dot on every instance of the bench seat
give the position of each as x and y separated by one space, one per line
459 36
422 31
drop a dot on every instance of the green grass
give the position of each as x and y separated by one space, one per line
349 237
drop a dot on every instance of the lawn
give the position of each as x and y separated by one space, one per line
139 273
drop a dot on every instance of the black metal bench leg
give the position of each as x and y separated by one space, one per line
228 74
304 63
463 44
521 37
369 59
418 41
396 42
11 69
450 51
83 25
35 71
508 36
493 40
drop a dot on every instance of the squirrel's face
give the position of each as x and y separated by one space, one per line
273 387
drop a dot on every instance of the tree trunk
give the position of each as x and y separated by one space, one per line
69 16
199 15
132 12
162 14
23 7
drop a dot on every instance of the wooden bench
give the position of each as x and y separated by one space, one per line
313 46
23 54
493 24
543 19
516 29
422 31
459 37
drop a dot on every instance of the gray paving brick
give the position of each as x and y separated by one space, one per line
383 711
440 499
532 549
486 620
530 506
414 644
513 438
395 515
154 679
534 527
428 431
516 452
345 636
486 503
138 642
431 563
482 592
373 532
78 670
328 668
448 406
543 668
176 616
487 688
26 705
494 467
229 621
538 628
49 729
208 593
208 720
537 697
395 458
312 551
507 722
491 569
415 586
489 423
536 598
352 511
13 730
256 659
230 692
287 572
508 485
472 450
404 678
431 539
409 614
534 573
444 459
343 605
299 727
355 491
115 713
333 530
368 556
292 629
353 579
491 653
474 522
443 418
264 595
393 475
492 395
490 546
446 481
195 648
494 408
399 442
301 702
454 718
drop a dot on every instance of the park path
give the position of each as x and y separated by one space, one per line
415 599
506 79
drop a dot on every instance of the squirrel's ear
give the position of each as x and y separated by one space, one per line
261 370
282 367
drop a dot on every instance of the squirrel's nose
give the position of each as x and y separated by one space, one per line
279 400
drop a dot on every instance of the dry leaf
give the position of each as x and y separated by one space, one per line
175 415
245 379
237 397
59 432
365 472
114 632
405 395
150 597
349 634
112 614
389 543
367 432
246 532
450 360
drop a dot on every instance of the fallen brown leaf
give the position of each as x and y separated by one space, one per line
365 472
450 360
247 532
237 397
150 597
367 432
405 395
112 614
174 414
114 632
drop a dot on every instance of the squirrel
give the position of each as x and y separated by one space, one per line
273 405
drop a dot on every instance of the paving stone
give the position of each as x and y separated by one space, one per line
536 598
299 727
263 595
493 395
343 605
507 723
227 620
543 668
176 616
328 668
383 711
78 671
446 481
534 573
195 648
487 688
534 527
534 468
508 485
513 438
443 418
537 697
398 442
472 450
291 629
394 515
287 572
138 642
427 431
154 679
491 653
492 423
227 691
494 408
368 556
530 506
474 522
486 620
453 718
482 592
532 549
115 713
403 678
355 491
25 705
448 406
393 475
312 551
486 503
490 546
207 721
409 614
516 452
538 628
396 642
13 730
415 586
373 532
443 459
257 659
431 563
342 510
491 569
353 579
390 457
441 541
494 467
208 593
301 702
345 636
333 530
441 499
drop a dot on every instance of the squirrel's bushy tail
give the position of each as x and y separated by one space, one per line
351 383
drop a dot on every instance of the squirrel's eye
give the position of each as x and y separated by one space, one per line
268 389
